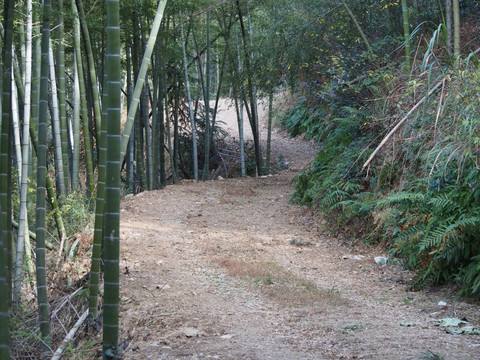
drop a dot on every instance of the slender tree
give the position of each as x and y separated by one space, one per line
76 129
142 74
62 105
41 212
99 215
252 115
448 20
406 33
456 28
56 130
269 131
5 241
83 101
357 25
112 184
190 106
91 68
239 104
206 163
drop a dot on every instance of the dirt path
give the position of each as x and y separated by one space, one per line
228 269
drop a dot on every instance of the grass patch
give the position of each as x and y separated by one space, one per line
280 285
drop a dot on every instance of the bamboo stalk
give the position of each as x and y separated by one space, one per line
456 28
400 123
190 107
141 75
61 349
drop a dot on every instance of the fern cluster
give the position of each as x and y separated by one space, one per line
437 234
421 193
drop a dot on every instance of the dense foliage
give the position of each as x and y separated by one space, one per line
420 193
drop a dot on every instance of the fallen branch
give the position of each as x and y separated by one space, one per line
385 139
32 235
59 352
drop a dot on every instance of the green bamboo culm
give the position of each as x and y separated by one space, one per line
4 302
406 33
112 184
5 215
206 164
359 28
99 215
141 75
456 28
91 69
40 225
61 93
190 106
4 278
4 171
83 101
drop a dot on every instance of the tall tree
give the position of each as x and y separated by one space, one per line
41 211
142 74
4 143
62 104
206 163
112 184
83 101
253 116
456 28
448 20
56 125
406 33
190 106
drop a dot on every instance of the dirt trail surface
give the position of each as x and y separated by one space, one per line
229 269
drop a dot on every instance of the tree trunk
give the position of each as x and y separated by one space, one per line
190 107
456 28
448 20
206 164
41 211
131 142
76 130
99 215
141 74
57 138
253 115
83 103
91 69
269 131
406 34
112 185
5 238
239 105
176 139
61 94
359 28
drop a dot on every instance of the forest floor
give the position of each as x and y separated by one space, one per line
229 269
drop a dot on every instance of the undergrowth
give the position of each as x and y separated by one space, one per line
420 195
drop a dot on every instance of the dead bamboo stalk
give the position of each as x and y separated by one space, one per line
59 352
400 123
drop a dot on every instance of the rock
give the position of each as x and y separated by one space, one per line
381 260
442 303
227 336
353 257
191 332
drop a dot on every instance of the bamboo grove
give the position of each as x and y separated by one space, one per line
102 99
